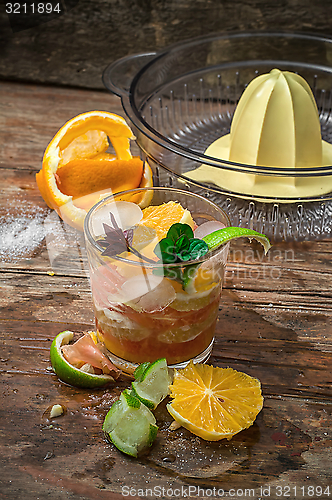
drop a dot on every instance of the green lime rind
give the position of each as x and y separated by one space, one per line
68 373
131 400
221 236
130 425
152 386
147 402
140 370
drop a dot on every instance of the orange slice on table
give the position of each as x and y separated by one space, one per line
77 170
214 403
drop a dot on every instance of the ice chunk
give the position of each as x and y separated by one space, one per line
105 282
126 214
137 286
207 228
156 299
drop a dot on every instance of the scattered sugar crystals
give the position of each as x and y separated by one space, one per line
25 228
21 233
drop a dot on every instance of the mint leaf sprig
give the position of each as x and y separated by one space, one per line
180 245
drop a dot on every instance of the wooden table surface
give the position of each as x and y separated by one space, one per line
275 323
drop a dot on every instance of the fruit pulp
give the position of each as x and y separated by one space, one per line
179 329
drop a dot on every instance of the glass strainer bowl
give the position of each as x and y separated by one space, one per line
182 99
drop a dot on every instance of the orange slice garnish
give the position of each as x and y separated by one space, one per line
161 217
77 171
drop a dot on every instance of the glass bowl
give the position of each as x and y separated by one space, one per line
183 98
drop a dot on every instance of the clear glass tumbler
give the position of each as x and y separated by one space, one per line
143 311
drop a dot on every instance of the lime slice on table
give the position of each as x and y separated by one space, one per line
215 239
130 425
151 382
69 373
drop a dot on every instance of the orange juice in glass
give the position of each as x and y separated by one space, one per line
148 305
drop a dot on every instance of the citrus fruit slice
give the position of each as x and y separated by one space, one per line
77 171
161 217
221 236
69 373
155 224
151 383
214 403
130 425
200 281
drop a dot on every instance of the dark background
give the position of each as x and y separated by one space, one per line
74 48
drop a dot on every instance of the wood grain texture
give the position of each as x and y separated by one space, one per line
74 48
37 120
275 323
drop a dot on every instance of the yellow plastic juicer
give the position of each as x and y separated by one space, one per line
239 118
275 124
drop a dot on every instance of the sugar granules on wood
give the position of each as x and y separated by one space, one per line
23 230
22 233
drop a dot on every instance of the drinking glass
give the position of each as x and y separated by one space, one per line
144 309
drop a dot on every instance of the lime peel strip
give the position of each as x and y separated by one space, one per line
221 236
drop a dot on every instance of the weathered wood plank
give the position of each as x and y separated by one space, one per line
282 435
75 47
243 338
275 323
32 115
71 449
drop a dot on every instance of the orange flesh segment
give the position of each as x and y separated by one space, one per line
84 176
161 217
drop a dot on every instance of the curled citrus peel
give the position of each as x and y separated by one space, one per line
77 171
75 364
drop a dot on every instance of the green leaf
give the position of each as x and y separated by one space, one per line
197 248
165 250
184 255
159 271
173 273
182 247
182 243
178 229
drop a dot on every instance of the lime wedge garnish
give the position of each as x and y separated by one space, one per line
130 425
69 373
213 240
152 382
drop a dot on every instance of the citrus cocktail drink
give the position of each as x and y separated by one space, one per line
155 288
